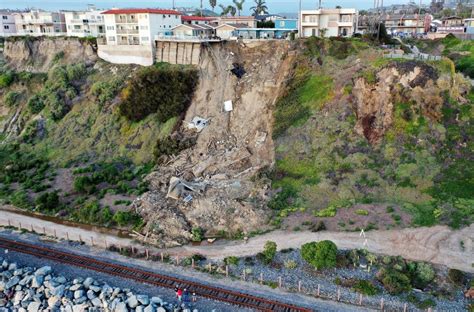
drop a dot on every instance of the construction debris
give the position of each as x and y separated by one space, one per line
228 106
198 123
238 70
179 188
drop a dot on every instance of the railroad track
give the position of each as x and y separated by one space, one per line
211 292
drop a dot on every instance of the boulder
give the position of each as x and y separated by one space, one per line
90 294
121 307
160 309
143 299
34 306
54 302
46 270
12 282
78 294
95 288
80 307
57 291
88 282
96 302
156 300
37 281
132 302
149 308
75 287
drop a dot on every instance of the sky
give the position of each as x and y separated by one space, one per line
275 6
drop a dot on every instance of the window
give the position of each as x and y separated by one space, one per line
5 17
110 27
112 38
77 26
144 38
6 27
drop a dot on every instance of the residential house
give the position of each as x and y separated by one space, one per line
7 23
40 23
198 20
469 25
85 23
250 21
130 34
452 24
407 23
286 23
226 31
327 22
268 17
193 30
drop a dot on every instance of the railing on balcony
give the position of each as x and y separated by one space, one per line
101 40
127 31
129 42
86 21
127 20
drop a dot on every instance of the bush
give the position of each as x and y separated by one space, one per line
321 255
124 218
6 79
35 104
291 264
269 251
10 98
105 91
456 277
394 282
20 199
366 287
166 91
48 202
84 184
172 145
362 212
197 234
231 260
317 227
424 274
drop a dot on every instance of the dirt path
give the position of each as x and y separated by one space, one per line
438 244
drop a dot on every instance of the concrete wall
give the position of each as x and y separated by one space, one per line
127 54
185 53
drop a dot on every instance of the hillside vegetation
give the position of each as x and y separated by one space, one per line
364 142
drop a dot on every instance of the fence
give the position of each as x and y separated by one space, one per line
421 56
339 295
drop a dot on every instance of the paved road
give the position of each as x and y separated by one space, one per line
438 244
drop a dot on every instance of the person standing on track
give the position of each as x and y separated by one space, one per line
179 294
194 297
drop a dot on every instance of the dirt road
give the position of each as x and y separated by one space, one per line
438 244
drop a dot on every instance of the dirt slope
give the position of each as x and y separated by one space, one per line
229 151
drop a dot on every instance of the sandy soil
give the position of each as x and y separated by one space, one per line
439 244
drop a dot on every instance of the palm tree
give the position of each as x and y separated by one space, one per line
228 9
259 8
213 4
239 5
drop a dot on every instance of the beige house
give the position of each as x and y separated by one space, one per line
193 30
250 21
226 31
330 22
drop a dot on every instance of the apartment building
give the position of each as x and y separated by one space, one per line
327 22
7 23
130 34
85 23
138 26
40 23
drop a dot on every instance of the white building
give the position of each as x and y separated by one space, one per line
40 23
7 23
130 34
85 23
331 22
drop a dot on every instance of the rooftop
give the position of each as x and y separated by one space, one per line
138 11
197 18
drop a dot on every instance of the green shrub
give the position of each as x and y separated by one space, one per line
424 274
124 218
166 91
6 79
394 282
321 255
197 234
456 277
291 264
362 212
172 145
283 199
48 202
84 184
366 287
269 251
35 104
20 199
231 260
11 98
104 91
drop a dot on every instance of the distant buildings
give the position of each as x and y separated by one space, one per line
40 23
327 22
250 21
85 23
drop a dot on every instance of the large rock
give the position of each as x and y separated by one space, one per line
12 282
54 302
78 294
57 291
143 299
121 307
132 302
96 302
37 281
44 270
88 282
34 306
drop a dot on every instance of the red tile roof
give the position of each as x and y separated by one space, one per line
138 11
197 18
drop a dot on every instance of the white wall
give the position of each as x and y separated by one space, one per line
7 24
80 29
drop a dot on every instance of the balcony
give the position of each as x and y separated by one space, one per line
127 20
127 31
86 21
129 42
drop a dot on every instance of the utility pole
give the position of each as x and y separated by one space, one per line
201 8
174 6
300 20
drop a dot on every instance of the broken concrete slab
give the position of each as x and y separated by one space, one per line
228 107
198 123
178 188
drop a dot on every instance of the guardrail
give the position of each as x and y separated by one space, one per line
421 56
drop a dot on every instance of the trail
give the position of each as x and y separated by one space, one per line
438 244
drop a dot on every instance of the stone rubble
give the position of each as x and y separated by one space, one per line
30 290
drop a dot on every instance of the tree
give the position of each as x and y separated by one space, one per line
393 281
321 255
213 4
239 5
226 10
259 8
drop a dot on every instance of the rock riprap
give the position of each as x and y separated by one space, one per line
30 289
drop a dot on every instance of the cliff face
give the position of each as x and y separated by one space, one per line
38 54
231 149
